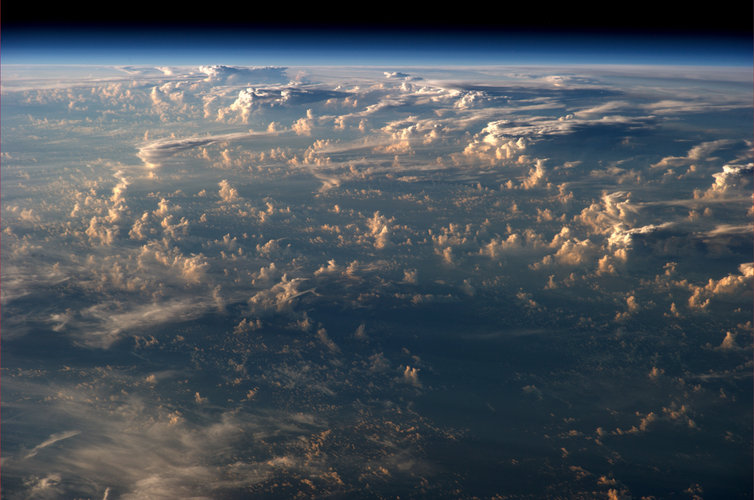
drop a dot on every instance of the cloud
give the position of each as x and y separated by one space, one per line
622 237
612 218
54 438
219 74
472 99
723 230
331 268
279 297
733 284
575 252
253 98
729 343
327 341
425 176
360 332
396 74
156 152
98 231
23 280
379 228
732 178
411 377
601 109
700 152
536 176
142 450
190 269
227 193
103 324
535 128
526 241
693 105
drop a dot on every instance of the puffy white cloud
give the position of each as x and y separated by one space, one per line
331 268
494 143
621 237
527 240
379 229
472 99
410 276
227 193
279 297
732 284
253 98
411 376
101 233
303 126
632 306
575 252
613 218
266 275
536 176
217 74
533 129
190 268
396 74
732 177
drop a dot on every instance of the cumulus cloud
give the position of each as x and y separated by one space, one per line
100 231
536 128
575 252
279 297
732 284
189 268
396 74
728 343
471 99
379 229
411 376
244 75
227 193
732 178
536 176
527 240
253 98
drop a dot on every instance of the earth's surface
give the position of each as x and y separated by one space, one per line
372 282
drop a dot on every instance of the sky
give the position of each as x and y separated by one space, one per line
523 33
346 46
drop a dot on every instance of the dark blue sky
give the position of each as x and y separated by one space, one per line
254 45
225 32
